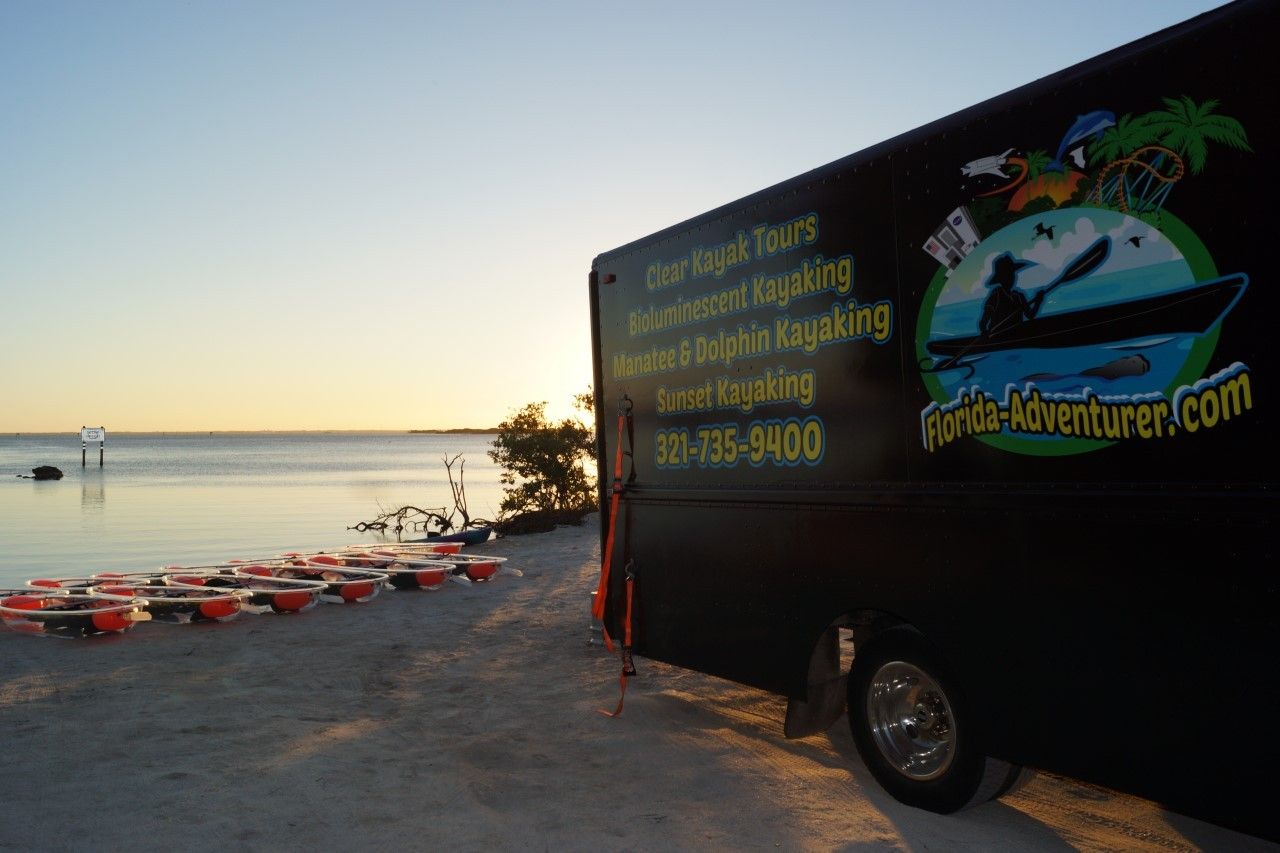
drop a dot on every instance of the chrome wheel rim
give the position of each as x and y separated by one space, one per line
911 721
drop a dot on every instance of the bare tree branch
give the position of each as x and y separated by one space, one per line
429 521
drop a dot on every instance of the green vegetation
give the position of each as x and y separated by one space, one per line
1128 135
1146 155
544 464
1037 161
547 469
1183 126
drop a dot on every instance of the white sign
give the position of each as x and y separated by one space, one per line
93 434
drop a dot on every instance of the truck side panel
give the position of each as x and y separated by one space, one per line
1005 379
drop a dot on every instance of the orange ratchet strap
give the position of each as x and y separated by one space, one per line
602 590
628 666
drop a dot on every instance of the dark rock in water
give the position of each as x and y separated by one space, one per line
1130 365
46 472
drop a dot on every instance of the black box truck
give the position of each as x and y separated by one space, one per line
966 434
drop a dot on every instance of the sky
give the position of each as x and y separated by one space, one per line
381 215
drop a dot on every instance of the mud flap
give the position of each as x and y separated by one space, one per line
826 691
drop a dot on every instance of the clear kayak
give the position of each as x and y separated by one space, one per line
403 571
52 613
177 604
343 585
264 594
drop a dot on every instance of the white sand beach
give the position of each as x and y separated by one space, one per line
463 718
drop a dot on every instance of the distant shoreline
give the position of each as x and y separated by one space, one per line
217 432
459 431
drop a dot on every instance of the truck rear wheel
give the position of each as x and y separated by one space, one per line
913 729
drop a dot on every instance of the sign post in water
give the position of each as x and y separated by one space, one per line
88 434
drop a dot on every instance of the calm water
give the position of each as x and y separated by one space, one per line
163 499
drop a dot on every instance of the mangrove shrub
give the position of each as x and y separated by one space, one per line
544 463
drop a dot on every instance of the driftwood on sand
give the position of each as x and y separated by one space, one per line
431 521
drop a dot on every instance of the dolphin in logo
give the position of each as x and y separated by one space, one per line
1088 128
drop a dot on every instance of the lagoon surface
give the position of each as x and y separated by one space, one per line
162 499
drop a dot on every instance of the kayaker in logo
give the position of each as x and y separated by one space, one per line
1009 319
1006 305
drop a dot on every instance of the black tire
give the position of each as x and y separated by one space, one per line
913 727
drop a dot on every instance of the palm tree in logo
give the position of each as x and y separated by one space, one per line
1127 135
1188 128
1146 155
